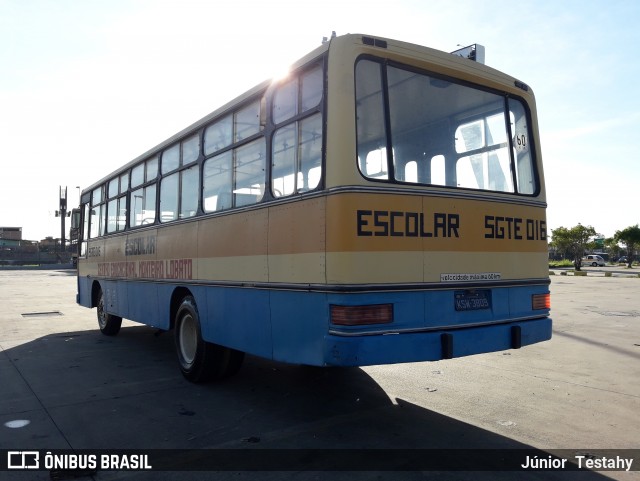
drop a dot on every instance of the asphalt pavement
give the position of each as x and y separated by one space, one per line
66 386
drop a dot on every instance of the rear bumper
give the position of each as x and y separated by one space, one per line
433 345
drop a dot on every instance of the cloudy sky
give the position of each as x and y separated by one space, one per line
87 85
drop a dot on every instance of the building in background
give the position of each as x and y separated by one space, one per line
15 251
10 236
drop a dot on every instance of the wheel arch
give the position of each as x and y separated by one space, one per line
96 287
178 294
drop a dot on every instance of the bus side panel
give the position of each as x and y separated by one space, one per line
300 321
144 305
116 298
163 305
237 318
150 303
84 291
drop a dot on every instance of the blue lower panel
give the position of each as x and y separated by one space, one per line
84 291
237 318
428 346
293 326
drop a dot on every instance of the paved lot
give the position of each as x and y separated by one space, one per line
81 390
619 270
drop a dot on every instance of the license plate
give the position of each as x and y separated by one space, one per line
472 300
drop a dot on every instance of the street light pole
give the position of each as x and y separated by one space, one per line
63 215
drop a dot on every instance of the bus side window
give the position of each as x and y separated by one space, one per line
218 135
311 88
371 132
246 122
169 198
297 154
487 163
426 172
97 220
374 164
189 183
190 149
85 230
249 173
171 158
297 146
143 201
310 168
284 160
179 195
216 185
437 168
285 101
525 175
411 171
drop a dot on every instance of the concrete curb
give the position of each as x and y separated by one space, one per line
42 267
573 273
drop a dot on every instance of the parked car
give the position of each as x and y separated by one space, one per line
593 260
623 260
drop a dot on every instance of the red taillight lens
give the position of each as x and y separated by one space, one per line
362 315
541 301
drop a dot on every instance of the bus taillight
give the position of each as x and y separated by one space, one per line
362 315
541 301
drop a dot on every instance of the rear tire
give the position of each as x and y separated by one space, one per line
108 323
201 361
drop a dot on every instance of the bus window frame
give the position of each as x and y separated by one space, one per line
295 121
391 179
230 149
146 183
267 128
102 204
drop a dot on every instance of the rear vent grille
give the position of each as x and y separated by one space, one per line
374 42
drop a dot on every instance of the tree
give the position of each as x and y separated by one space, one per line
612 247
630 237
573 242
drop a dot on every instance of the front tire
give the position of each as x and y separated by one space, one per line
201 361
108 323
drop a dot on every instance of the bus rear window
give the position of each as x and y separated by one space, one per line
421 129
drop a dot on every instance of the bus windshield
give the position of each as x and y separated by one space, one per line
426 129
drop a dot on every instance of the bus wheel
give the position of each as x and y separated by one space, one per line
109 324
199 360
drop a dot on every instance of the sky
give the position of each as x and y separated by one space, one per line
87 85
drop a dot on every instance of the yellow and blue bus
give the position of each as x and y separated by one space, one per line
383 203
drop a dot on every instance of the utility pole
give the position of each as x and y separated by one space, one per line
63 215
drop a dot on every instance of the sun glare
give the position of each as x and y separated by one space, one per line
281 74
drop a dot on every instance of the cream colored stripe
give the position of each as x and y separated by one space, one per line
339 267
400 267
